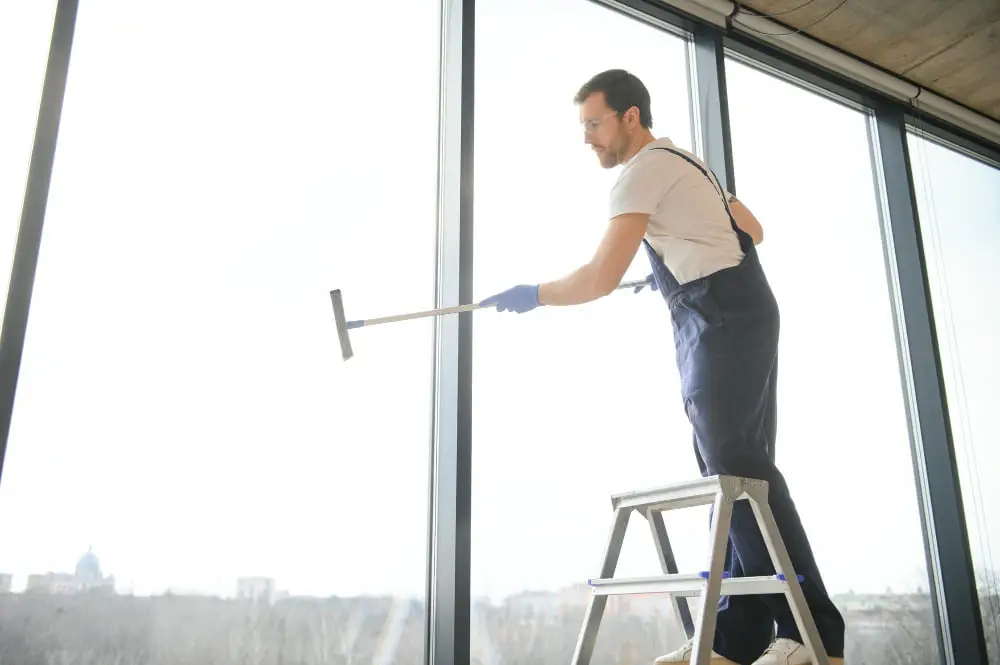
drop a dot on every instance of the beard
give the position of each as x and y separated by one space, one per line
608 158
611 155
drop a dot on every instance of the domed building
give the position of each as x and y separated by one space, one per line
88 573
88 568
87 577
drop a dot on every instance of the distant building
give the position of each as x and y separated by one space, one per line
88 577
6 582
53 583
256 588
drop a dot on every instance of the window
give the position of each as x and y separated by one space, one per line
802 164
25 32
958 203
562 395
194 475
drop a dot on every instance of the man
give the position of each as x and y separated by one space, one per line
701 245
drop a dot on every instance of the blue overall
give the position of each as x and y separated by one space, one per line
726 337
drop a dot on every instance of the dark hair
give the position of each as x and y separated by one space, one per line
622 91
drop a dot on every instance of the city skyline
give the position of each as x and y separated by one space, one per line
88 569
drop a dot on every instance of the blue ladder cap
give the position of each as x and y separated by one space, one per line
355 324
781 576
704 575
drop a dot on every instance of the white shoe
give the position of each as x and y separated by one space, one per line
683 655
784 651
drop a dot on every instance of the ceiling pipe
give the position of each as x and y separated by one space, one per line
754 25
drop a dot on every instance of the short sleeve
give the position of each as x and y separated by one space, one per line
640 187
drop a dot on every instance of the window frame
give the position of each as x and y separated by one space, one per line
950 565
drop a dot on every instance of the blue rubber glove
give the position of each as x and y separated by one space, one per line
520 299
651 281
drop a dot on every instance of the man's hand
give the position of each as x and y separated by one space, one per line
745 220
522 298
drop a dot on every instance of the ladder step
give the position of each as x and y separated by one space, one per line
680 495
689 584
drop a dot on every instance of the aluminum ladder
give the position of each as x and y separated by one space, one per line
722 492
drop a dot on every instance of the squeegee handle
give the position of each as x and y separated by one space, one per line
450 310
631 285
413 315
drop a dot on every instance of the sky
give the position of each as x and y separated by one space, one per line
182 405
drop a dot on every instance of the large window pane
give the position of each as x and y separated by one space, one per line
25 32
563 396
803 166
186 436
958 201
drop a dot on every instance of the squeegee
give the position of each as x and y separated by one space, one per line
344 326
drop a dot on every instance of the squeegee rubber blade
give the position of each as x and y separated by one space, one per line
338 314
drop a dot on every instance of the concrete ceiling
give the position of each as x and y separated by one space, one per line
949 46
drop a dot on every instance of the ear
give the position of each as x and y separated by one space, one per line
632 117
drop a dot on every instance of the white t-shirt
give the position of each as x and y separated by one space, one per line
688 225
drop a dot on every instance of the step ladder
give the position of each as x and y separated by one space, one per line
710 585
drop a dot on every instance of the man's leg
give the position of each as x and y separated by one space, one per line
744 624
730 448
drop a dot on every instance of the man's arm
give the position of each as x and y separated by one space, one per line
745 220
604 272
634 197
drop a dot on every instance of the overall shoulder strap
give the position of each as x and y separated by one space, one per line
746 243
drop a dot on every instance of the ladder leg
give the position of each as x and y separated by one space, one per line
595 606
709 602
783 564
668 564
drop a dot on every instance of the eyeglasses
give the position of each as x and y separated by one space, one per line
590 126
